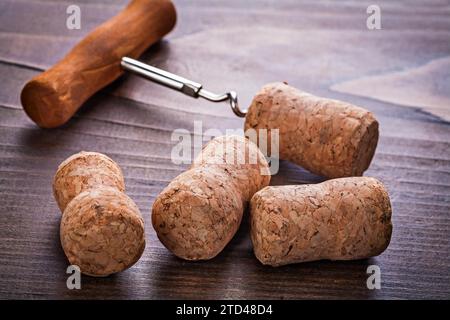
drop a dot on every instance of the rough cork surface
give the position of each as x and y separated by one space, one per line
102 231
83 171
328 137
340 219
199 212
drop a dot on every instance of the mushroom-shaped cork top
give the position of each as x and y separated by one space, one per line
82 171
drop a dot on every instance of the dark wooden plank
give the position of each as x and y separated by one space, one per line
225 44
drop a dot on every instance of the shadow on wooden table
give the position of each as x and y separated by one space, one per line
236 274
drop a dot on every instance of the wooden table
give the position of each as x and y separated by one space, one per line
400 72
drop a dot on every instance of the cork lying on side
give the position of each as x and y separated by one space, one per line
328 137
199 212
102 230
340 219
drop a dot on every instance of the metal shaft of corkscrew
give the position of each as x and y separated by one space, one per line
173 81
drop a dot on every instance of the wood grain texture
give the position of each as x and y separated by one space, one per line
427 86
226 45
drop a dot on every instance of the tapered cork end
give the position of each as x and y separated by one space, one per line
365 145
82 171
102 232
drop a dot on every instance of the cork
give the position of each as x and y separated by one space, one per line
328 137
102 231
199 212
83 171
340 219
